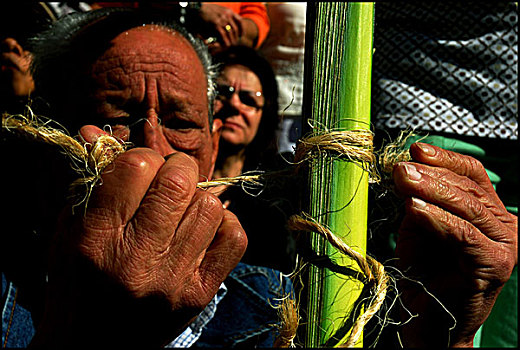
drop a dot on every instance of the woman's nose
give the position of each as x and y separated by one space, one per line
227 107
11 45
234 100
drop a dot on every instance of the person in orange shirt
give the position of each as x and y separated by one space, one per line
220 24
235 23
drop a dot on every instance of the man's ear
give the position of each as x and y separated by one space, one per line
215 138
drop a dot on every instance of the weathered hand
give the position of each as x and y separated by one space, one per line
146 258
457 238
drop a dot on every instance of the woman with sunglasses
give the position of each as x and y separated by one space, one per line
247 104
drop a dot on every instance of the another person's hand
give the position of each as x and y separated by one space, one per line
458 239
225 22
143 260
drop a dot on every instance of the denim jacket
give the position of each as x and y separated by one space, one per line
245 316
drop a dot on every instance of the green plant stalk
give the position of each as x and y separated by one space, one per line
343 52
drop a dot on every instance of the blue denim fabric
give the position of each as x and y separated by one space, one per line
17 325
244 316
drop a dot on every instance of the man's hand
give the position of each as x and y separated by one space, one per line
458 239
146 258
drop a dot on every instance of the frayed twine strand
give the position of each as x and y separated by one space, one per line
289 321
374 272
89 160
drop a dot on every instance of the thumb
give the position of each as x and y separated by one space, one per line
90 133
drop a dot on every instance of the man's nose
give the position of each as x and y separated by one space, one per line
11 45
153 135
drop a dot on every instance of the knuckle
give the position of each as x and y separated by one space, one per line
469 165
501 267
139 161
468 233
209 207
445 192
475 165
209 201
476 191
184 161
175 185
458 229
236 233
475 211
509 263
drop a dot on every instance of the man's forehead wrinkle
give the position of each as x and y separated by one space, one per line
106 64
164 42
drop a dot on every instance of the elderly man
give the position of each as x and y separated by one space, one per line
151 251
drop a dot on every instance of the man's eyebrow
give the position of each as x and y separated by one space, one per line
175 102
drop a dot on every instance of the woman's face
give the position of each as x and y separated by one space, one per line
239 104
15 76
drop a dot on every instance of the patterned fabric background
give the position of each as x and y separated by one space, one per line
449 67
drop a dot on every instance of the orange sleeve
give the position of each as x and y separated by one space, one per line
255 11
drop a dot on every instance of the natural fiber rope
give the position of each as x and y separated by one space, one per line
31 127
289 321
393 153
373 270
88 160
102 153
350 145
353 145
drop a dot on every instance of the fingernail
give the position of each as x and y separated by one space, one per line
427 149
412 172
418 203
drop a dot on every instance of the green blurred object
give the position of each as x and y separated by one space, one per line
501 328
341 88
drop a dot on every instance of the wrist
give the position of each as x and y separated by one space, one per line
250 33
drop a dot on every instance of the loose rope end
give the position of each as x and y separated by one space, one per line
289 321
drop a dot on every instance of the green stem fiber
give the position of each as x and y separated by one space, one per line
341 75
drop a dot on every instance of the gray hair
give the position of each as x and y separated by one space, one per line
79 37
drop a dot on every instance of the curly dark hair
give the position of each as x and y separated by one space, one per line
264 143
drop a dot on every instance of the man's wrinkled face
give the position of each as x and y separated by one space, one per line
150 87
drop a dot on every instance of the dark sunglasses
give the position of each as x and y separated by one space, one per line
253 99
